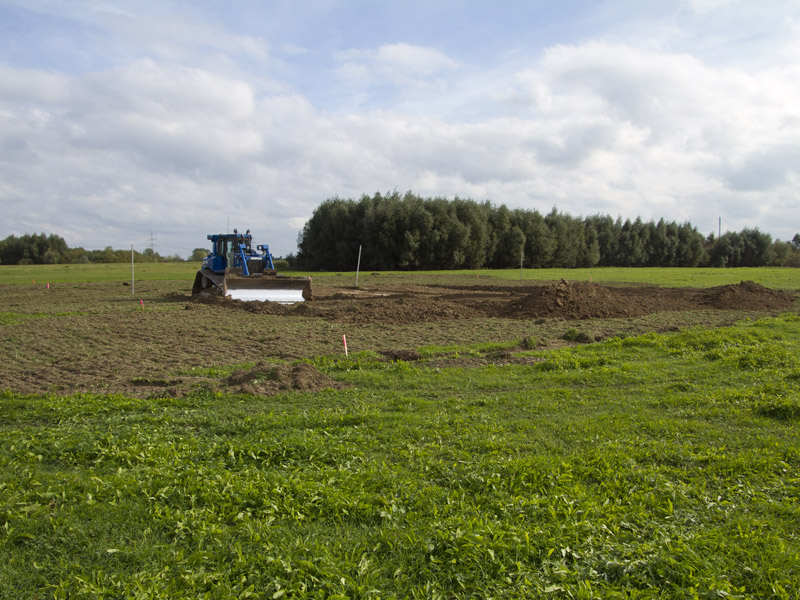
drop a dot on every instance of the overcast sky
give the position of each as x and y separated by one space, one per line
183 118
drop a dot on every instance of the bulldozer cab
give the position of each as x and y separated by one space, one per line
225 252
220 257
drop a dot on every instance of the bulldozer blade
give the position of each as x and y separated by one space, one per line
272 288
280 296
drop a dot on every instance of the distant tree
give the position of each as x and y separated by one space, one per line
330 239
568 239
640 243
781 253
690 249
786 255
510 248
408 243
33 249
757 248
664 244
590 254
198 254
291 260
539 242
12 250
475 217
499 221
77 256
748 248
409 232
796 241
453 237
608 231
627 246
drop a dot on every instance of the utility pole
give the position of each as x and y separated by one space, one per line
153 241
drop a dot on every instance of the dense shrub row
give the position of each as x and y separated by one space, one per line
409 232
39 249
413 233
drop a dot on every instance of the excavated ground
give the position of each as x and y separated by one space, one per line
100 338
563 299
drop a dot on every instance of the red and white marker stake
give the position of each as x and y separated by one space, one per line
142 303
344 341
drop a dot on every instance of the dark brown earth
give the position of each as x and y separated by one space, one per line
98 338
563 299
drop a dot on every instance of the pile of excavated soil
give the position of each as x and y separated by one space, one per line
582 300
262 308
398 309
573 300
270 379
560 300
747 295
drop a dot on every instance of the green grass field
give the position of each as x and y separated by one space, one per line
774 277
98 272
654 466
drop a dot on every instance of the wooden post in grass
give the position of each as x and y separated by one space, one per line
358 264
132 292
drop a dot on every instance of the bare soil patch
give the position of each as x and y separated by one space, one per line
747 294
563 299
269 379
100 338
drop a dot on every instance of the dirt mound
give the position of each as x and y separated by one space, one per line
258 307
747 295
577 300
269 379
572 300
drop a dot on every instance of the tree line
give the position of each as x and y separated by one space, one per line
38 249
407 232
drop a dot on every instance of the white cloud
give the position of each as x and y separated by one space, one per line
178 142
31 86
735 127
400 64
412 60
707 6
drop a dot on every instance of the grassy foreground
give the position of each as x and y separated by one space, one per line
659 466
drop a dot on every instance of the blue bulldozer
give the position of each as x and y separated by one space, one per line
234 269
